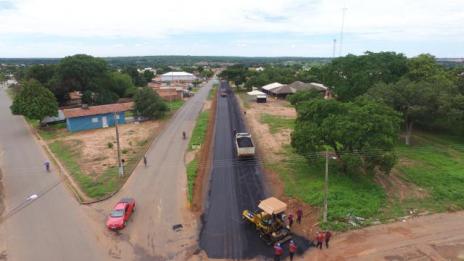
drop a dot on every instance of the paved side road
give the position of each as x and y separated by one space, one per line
51 227
160 193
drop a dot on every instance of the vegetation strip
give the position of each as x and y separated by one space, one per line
198 167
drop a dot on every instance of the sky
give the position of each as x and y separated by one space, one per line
57 28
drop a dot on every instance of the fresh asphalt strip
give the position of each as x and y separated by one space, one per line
235 185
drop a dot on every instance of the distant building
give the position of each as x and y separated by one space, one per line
95 117
178 77
147 69
75 98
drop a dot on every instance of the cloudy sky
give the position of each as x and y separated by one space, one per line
56 28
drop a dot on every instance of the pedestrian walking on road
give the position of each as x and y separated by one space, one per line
145 160
278 251
47 166
292 249
235 132
290 220
327 237
319 239
299 215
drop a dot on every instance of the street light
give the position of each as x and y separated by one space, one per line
326 184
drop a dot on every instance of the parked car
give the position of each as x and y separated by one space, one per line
223 94
121 213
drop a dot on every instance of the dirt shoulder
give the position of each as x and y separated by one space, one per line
433 237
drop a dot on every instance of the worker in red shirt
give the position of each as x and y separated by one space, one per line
327 237
319 239
292 249
290 220
278 251
299 215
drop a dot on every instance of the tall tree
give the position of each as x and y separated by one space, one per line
360 133
417 101
351 76
81 72
34 101
148 103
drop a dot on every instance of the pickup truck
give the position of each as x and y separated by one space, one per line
244 145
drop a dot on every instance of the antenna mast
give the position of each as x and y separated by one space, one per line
341 31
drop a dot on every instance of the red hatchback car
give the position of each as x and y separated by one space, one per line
121 214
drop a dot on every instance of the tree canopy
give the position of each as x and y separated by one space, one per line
34 101
86 74
360 133
148 103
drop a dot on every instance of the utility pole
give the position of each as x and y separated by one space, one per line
326 185
334 47
341 31
120 166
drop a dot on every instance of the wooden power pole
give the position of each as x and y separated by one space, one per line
120 166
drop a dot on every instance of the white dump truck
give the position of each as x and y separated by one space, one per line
244 145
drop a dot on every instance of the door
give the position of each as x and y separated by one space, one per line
104 122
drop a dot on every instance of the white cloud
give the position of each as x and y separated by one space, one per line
393 20
147 18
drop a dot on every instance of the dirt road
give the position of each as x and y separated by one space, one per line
434 237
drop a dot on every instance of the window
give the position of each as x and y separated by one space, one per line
94 120
117 116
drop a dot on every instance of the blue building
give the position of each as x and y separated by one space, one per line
95 117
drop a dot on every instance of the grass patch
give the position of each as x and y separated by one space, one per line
199 132
94 187
356 195
439 168
213 91
175 105
435 164
53 131
277 123
192 169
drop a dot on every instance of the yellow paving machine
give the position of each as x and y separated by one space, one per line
269 221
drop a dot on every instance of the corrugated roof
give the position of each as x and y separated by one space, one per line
271 86
96 110
177 74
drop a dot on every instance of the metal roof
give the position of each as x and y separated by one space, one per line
96 110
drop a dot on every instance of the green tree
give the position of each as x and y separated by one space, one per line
302 96
81 72
360 133
34 101
427 95
148 103
351 76
120 83
42 73
148 75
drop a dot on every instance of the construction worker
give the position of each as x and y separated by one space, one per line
292 249
278 251
290 220
327 237
299 215
319 239
47 166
